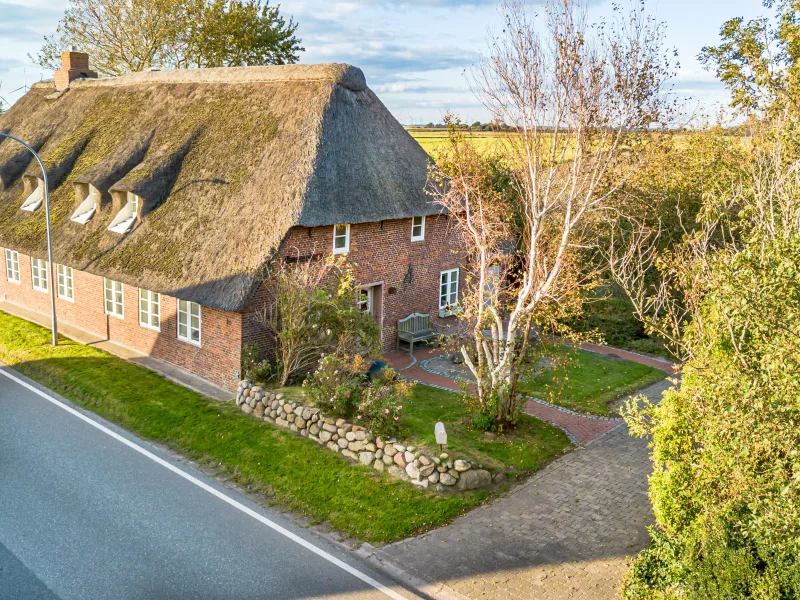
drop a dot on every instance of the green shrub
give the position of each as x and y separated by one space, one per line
337 384
258 370
382 403
614 319
726 444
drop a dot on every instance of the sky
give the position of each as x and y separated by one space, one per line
416 54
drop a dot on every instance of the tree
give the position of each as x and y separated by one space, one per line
759 60
312 313
726 482
135 35
578 100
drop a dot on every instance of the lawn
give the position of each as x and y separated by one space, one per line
515 452
292 471
589 382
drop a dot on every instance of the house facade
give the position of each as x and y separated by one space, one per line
172 191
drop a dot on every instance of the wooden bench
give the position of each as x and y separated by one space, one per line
416 327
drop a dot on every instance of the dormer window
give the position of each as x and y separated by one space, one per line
34 200
125 219
88 207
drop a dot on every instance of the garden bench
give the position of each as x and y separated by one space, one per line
416 327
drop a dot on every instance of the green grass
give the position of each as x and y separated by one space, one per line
292 471
589 382
527 448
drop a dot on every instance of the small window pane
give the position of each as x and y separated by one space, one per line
341 238
39 274
114 297
149 309
417 228
189 321
448 290
65 288
12 266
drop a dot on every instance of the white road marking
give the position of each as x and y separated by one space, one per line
238 505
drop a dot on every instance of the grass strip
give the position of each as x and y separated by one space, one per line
292 471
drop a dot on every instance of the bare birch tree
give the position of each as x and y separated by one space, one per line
578 98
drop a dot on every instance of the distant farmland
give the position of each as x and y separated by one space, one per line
430 139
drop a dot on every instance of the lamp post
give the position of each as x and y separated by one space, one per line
52 276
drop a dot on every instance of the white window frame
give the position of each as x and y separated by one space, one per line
126 217
35 198
65 283
346 236
152 301
112 307
421 226
39 273
366 305
12 267
185 314
88 207
444 298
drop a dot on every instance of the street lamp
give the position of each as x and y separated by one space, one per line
52 281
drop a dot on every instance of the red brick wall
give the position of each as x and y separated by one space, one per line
217 359
381 253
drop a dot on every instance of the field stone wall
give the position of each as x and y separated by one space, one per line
360 446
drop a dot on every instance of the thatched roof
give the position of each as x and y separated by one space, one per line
225 161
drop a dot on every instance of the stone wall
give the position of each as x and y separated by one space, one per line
360 446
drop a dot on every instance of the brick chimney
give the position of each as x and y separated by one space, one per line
74 65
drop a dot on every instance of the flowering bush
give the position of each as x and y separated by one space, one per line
336 385
382 402
259 371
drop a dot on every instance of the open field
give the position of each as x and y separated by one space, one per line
431 139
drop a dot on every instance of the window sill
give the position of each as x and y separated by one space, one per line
190 342
422 239
15 281
150 327
43 290
341 251
116 316
448 312
66 299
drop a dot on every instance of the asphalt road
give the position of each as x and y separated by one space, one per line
84 515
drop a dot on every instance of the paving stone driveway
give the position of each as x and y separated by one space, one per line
565 533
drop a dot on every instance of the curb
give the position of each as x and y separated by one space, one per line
380 561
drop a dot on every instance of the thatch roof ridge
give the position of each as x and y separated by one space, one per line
345 75
225 161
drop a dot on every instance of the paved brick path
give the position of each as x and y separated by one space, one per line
580 428
652 361
565 533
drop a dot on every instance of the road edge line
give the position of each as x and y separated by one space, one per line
214 492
